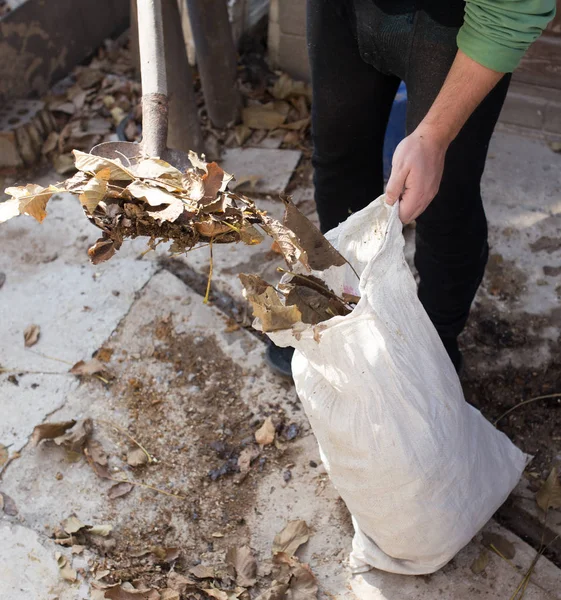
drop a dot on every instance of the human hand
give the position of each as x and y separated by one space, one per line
417 166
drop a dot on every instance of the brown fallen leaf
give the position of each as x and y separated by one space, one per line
214 593
169 594
120 593
246 457
30 199
95 190
137 458
8 505
243 565
104 354
75 439
215 180
102 250
31 335
119 490
267 307
291 538
277 591
320 253
97 458
549 495
102 530
4 455
89 367
180 583
287 242
480 563
202 572
500 544
49 431
168 555
265 435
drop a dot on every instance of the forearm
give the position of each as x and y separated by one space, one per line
466 85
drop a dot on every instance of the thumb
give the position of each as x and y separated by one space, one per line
395 186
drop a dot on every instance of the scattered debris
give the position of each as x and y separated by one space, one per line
265 435
499 544
137 458
119 490
5 455
66 570
50 431
8 505
90 367
31 335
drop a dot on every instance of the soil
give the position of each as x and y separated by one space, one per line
195 425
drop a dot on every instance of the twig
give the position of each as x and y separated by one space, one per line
546 397
52 357
103 421
205 301
145 485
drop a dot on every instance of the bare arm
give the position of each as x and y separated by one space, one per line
418 161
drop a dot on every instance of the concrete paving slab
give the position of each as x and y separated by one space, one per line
28 569
273 168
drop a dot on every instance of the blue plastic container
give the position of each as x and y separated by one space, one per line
395 131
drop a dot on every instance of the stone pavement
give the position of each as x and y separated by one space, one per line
148 311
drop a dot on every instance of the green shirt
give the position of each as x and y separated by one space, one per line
497 33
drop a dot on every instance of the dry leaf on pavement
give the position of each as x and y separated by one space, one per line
66 570
97 458
90 367
8 505
214 593
265 435
137 458
242 565
262 116
121 593
549 496
180 583
302 582
480 563
103 530
72 524
169 594
75 439
31 335
202 572
246 457
49 431
119 490
291 538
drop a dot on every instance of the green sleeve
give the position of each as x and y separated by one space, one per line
497 33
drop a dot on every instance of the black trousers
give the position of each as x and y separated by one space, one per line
359 52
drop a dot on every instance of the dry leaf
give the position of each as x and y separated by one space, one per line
549 496
103 530
214 593
90 367
155 168
267 307
166 554
119 489
96 453
31 335
497 542
265 435
291 538
118 592
49 431
104 354
287 242
72 524
64 163
154 196
297 125
277 591
242 133
75 439
9 209
243 565
303 584
320 253
66 570
262 116
480 563
95 190
202 572
169 594
102 250
93 164
171 213
285 87
8 505
214 180
250 235
50 143
32 199
4 455
246 457
180 583
137 458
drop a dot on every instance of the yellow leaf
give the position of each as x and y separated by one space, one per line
32 199
262 116
153 168
94 191
154 196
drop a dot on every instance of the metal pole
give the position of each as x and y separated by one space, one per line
184 129
216 59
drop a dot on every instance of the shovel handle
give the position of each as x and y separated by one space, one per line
153 73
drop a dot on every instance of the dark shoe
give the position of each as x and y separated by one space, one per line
451 345
279 359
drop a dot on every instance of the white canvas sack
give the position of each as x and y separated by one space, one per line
420 470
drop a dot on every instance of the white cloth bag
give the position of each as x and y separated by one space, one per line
420 470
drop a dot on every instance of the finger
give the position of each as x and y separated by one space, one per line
411 200
395 186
